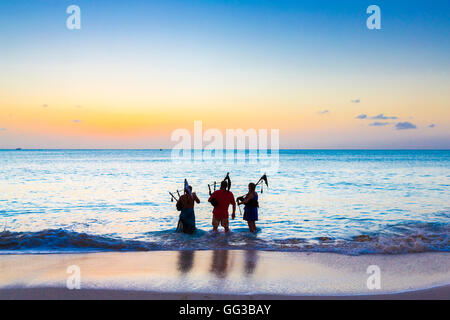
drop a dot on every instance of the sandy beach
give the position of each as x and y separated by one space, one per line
206 275
439 293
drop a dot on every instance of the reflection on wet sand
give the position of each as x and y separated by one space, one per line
185 261
219 263
233 271
251 260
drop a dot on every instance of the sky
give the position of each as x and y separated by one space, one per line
138 70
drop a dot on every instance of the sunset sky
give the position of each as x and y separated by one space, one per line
138 70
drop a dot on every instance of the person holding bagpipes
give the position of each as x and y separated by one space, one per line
185 204
221 200
251 204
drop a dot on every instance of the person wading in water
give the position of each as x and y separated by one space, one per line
251 207
186 204
221 200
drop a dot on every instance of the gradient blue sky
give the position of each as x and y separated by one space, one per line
137 70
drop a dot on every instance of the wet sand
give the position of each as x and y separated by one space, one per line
439 293
223 274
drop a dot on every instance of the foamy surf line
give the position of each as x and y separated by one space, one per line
65 241
235 272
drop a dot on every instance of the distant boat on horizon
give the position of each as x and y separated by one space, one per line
18 148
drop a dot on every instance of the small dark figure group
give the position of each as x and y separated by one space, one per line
221 201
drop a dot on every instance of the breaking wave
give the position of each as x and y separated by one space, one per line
398 239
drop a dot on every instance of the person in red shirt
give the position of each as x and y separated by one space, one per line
221 200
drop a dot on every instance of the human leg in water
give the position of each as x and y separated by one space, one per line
251 226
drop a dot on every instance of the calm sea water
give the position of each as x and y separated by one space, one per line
351 202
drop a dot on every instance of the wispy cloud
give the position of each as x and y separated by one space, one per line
405 126
379 124
383 117
76 121
3 129
44 105
323 112
361 116
432 125
355 101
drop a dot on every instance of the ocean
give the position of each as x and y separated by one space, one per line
344 201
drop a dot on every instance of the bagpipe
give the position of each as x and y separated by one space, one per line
261 182
186 190
227 179
213 201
